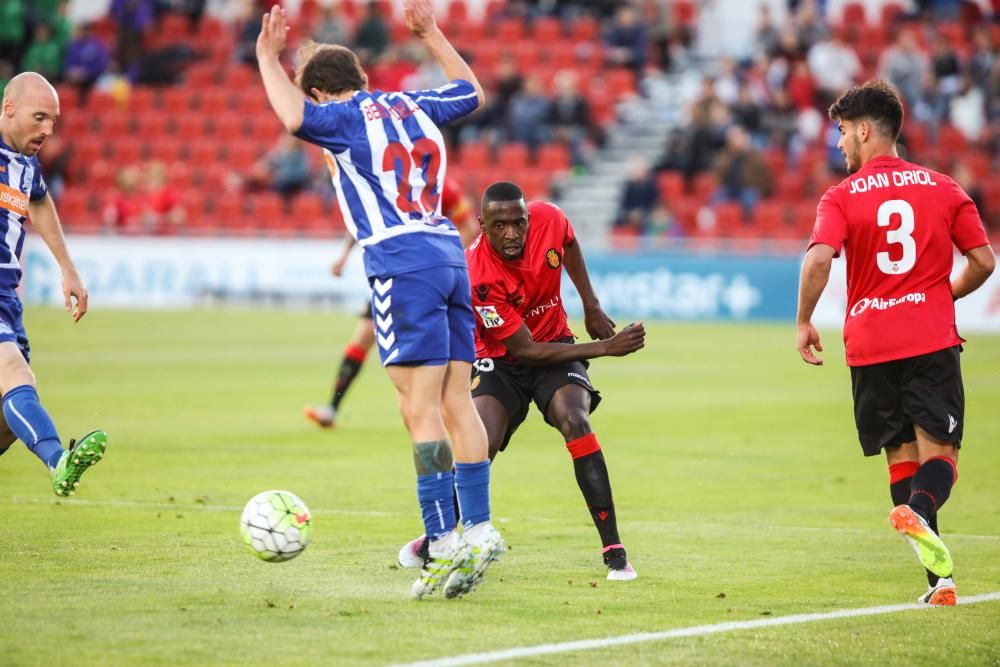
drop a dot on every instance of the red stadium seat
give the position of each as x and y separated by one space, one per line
891 12
979 163
241 154
685 210
494 8
229 126
671 186
546 30
127 150
189 126
76 206
534 183
214 100
152 125
790 184
458 12
951 139
210 30
728 219
768 216
853 13
174 100
142 99
526 55
267 211
554 157
113 124
560 54
203 151
240 77
704 186
620 83
473 155
685 13
166 150
512 156
307 211
585 29
99 176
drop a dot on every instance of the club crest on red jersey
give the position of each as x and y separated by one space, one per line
553 258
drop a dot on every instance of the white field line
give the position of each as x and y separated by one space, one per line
694 631
195 507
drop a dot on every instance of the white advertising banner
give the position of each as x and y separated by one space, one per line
137 272
978 312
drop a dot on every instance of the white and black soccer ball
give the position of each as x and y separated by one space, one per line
276 526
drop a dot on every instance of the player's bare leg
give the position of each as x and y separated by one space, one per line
362 340
569 411
917 518
471 479
418 389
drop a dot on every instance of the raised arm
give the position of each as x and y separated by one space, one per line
527 351
46 221
419 15
980 263
598 324
286 99
812 282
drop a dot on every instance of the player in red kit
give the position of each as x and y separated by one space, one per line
898 223
525 350
454 206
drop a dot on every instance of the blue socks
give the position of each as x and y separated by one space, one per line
472 481
436 495
31 423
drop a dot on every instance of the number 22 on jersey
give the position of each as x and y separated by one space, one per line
902 235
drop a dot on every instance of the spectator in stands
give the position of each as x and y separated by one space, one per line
86 60
285 168
968 109
966 178
809 26
133 18
13 23
781 120
742 174
747 114
766 35
626 40
44 54
162 207
983 58
569 118
247 18
507 82
639 198
905 66
330 28
372 36
834 66
801 87
55 160
527 113
123 211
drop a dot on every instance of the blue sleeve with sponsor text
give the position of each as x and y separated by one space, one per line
447 103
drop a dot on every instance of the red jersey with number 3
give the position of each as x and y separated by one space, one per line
898 222
506 294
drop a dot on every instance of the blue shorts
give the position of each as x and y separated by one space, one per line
424 318
11 326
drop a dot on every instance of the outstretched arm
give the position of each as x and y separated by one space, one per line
598 324
980 263
338 266
419 15
527 351
286 99
46 220
812 282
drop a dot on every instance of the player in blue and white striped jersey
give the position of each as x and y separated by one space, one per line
387 159
30 109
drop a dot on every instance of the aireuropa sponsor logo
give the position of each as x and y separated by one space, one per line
884 304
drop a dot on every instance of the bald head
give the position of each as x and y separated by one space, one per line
30 109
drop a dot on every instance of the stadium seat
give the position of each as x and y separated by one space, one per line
683 12
621 83
891 12
546 30
494 8
512 157
458 12
127 150
554 158
76 206
214 100
166 150
189 126
768 215
951 139
560 54
534 183
671 186
202 76
704 186
229 126
307 214
853 13
113 124
585 29
473 155
100 176
142 99
685 209
266 212
240 78
210 30
152 125
526 55
789 184
728 219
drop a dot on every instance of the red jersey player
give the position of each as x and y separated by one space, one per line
454 206
525 350
898 222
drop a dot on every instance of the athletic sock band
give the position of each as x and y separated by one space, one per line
900 471
583 446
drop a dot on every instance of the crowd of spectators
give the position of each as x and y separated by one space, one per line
757 128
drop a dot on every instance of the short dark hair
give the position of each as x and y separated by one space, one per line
501 191
332 69
877 100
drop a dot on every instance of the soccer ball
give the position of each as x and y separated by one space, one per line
276 526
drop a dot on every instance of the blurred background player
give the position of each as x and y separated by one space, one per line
454 206
384 151
525 350
899 331
30 110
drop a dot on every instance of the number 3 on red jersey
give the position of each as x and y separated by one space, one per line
903 236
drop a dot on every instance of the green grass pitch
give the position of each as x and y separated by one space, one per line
740 489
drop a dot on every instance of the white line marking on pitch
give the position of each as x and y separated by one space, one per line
694 631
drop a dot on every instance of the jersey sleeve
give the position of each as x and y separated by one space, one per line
831 223
328 125
447 103
967 231
38 186
497 317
